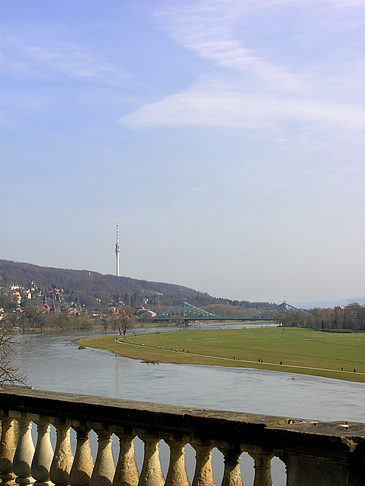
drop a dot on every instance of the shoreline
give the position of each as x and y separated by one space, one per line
131 347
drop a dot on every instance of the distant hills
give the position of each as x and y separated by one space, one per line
95 290
327 304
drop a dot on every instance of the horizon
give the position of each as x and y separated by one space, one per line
225 135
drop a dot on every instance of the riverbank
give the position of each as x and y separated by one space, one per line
292 350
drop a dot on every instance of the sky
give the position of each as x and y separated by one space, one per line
227 136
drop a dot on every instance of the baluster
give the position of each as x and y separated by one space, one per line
43 455
126 473
83 464
262 468
104 468
62 458
232 471
176 475
151 474
24 453
203 475
8 448
304 470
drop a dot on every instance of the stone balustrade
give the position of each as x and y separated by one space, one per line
314 453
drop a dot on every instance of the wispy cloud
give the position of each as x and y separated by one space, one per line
217 105
245 87
38 61
208 29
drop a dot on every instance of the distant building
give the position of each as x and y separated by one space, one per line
17 298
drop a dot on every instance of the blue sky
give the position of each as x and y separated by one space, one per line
228 136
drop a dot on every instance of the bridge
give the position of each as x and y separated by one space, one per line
188 312
285 307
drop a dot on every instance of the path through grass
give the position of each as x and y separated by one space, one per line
299 350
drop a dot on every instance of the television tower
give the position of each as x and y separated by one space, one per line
117 251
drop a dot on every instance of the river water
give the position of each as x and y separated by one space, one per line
55 362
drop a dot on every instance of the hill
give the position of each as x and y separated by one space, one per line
97 291
329 304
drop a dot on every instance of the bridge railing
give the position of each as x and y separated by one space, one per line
314 453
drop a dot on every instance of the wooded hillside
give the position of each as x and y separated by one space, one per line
89 287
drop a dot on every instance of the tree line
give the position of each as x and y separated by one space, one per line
348 318
37 318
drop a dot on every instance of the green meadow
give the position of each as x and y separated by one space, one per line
298 350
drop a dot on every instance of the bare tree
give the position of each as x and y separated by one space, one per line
9 373
124 319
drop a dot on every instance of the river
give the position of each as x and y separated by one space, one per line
55 362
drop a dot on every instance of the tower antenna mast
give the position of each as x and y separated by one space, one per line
117 251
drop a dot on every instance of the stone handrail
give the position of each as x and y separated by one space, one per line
314 453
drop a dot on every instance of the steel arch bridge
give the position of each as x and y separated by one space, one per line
189 312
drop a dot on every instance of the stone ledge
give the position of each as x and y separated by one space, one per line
329 439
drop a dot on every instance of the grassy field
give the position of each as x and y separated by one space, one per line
299 350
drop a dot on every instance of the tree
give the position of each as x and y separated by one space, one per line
124 318
104 321
179 321
34 317
9 374
7 303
